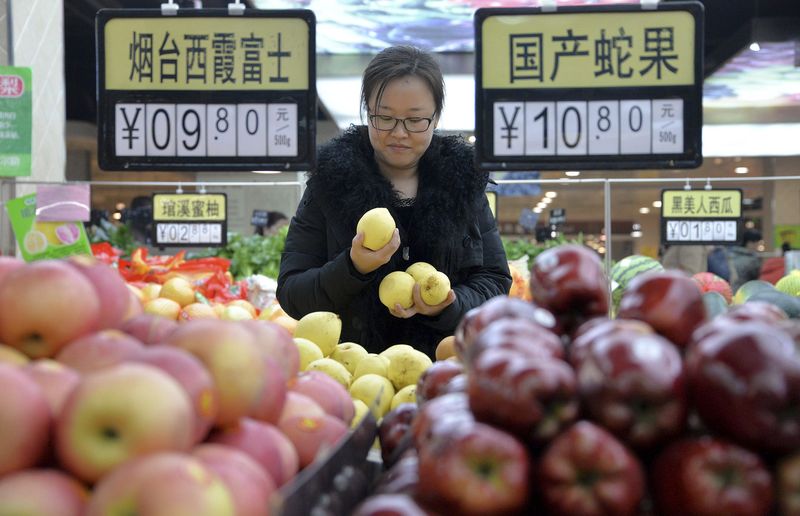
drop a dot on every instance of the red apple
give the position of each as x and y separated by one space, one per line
150 328
394 432
235 363
441 416
569 280
519 335
707 476
433 380
193 377
498 307
277 344
633 384
788 480
162 484
402 477
114 296
299 405
745 385
55 379
327 392
11 356
247 481
669 301
9 264
587 471
42 492
24 420
273 394
45 305
599 327
264 443
313 436
99 350
477 470
534 398
119 413
390 505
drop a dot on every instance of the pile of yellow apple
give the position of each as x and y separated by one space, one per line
376 382
108 409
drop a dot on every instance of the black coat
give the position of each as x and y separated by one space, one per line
451 227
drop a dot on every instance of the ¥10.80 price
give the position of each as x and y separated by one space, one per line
581 128
205 130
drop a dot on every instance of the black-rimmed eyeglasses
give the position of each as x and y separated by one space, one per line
414 124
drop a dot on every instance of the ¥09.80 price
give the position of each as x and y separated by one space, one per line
581 128
205 130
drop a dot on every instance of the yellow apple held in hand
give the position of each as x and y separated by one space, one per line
397 288
434 287
321 328
378 226
419 270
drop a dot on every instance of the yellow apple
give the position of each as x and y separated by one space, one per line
321 328
333 369
196 311
372 364
375 391
397 288
164 307
406 366
349 354
361 410
419 270
179 290
236 313
434 287
407 394
309 352
247 305
150 291
378 226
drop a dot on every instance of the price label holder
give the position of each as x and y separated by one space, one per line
202 90
558 216
190 220
589 87
701 217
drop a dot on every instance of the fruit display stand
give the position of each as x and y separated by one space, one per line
334 484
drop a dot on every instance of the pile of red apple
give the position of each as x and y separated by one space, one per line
103 411
556 409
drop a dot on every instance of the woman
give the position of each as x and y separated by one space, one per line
430 185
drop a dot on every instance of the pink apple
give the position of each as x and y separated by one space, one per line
111 290
8 264
45 305
99 350
149 328
125 411
55 379
247 481
273 394
193 377
313 435
299 405
277 344
11 356
235 363
42 492
264 443
327 392
24 420
162 484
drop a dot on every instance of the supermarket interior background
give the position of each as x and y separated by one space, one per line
751 111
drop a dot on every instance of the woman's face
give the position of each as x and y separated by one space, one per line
398 151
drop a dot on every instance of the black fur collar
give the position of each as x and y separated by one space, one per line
347 182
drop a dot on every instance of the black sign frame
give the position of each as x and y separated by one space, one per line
222 223
306 101
692 96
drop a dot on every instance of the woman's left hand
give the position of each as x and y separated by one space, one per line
419 306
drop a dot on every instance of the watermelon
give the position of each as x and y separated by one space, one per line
790 284
625 270
749 288
715 303
788 303
710 282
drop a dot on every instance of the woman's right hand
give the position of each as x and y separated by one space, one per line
366 260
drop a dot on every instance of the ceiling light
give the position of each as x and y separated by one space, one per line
755 47
266 171
644 210
547 200
572 173
551 195
636 234
471 139
537 210
741 170
541 205
656 204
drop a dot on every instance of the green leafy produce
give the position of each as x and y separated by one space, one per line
119 236
519 247
252 254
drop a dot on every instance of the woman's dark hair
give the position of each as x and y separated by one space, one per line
402 61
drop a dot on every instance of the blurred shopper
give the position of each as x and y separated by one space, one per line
744 261
435 194
689 258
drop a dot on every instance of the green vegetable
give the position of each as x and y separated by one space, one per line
519 247
118 235
253 254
